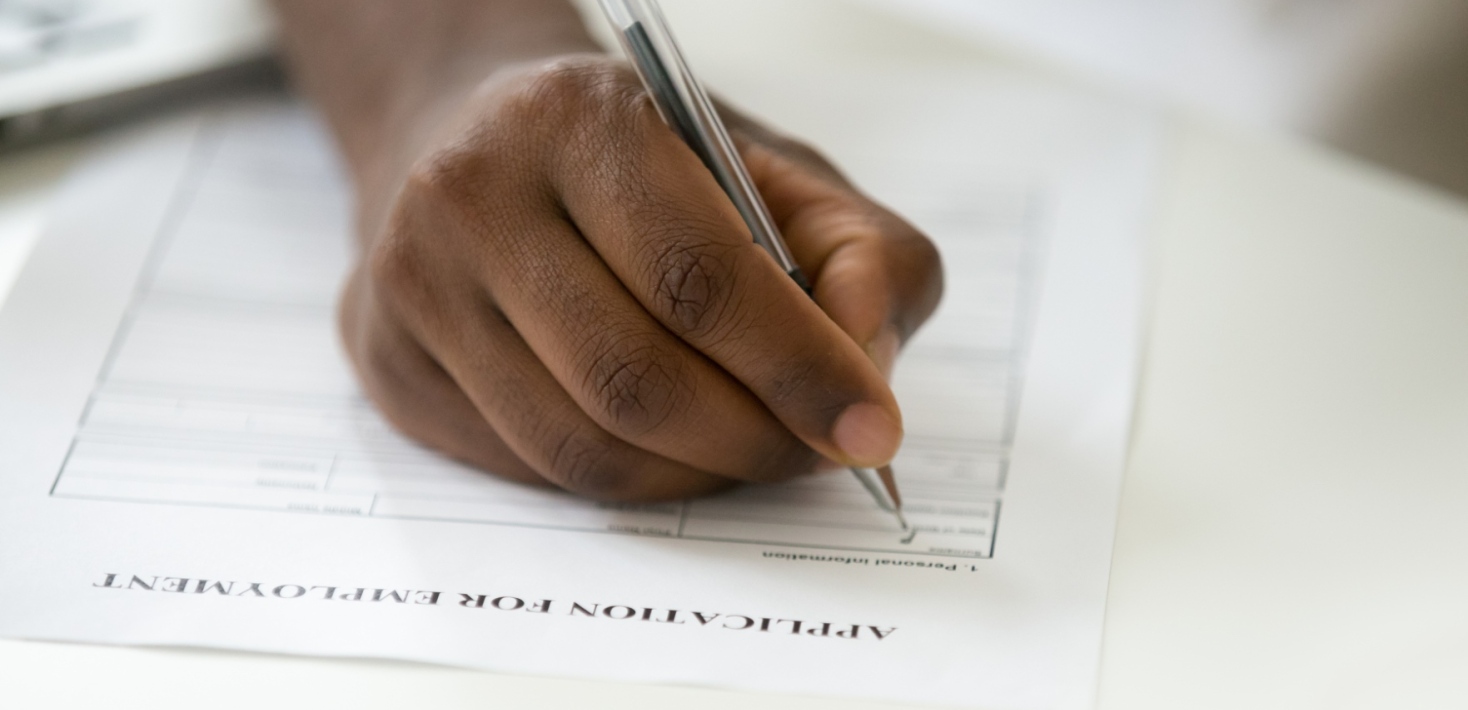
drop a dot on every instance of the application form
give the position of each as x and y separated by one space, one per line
186 459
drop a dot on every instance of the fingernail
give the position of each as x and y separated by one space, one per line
883 350
867 434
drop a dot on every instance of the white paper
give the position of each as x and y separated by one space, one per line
185 458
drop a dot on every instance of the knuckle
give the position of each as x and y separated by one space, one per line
565 80
449 218
398 268
379 357
379 367
635 388
393 374
456 181
593 116
399 261
692 285
587 464
569 92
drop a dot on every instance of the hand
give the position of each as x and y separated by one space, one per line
560 292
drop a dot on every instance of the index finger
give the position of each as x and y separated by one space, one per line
657 217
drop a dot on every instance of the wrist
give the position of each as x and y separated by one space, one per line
424 103
384 73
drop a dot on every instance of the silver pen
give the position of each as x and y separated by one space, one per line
686 108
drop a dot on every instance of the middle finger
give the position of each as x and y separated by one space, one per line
624 369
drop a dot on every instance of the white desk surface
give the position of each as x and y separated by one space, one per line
1293 530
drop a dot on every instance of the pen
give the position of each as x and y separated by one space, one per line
686 108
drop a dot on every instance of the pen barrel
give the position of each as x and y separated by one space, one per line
687 109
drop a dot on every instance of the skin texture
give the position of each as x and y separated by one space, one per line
553 288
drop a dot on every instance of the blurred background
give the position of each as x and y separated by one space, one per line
1385 80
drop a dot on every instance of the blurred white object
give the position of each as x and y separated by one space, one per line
57 53
1385 79
1269 62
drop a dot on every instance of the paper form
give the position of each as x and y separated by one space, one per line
188 460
